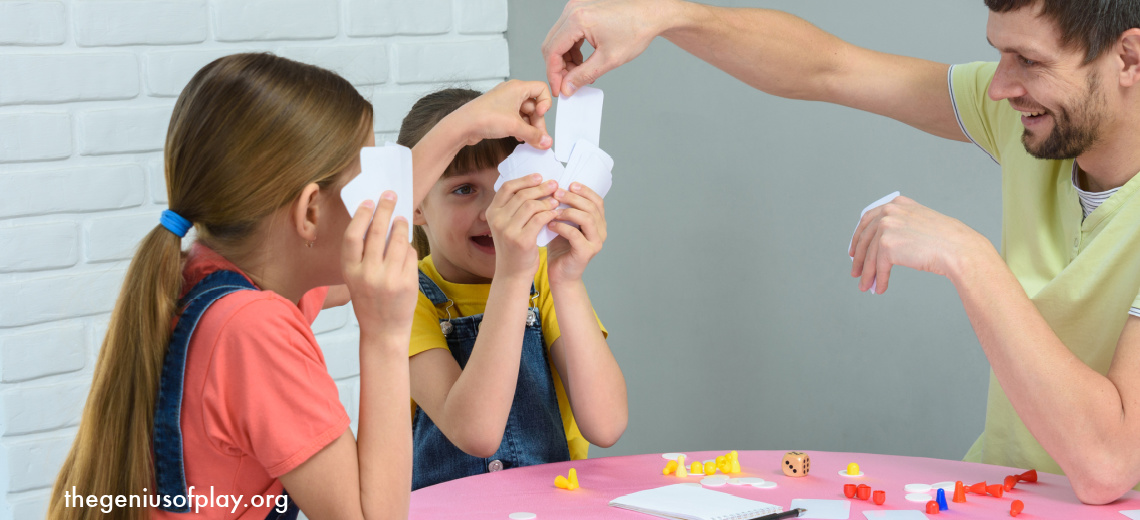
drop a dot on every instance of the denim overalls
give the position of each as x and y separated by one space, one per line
169 472
534 433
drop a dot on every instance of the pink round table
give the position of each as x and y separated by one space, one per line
531 489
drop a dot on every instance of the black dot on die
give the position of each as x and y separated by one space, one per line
793 470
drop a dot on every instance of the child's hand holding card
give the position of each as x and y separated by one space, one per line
383 168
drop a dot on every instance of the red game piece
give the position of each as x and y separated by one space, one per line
849 490
979 488
1028 476
880 497
932 508
995 490
1010 482
959 492
1016 507
863 492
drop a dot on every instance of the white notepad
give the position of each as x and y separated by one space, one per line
693 503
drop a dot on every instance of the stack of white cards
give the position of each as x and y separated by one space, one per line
576 134
383 168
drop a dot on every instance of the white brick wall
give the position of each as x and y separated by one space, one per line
86 91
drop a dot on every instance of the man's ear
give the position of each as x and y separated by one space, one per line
1130 57
418 216
306 212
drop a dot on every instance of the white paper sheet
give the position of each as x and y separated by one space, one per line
383 168
823 509
578 117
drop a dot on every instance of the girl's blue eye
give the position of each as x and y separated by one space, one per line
463 189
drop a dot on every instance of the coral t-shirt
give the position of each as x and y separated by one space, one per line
257 397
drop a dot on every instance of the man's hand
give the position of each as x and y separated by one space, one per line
904 232
619 31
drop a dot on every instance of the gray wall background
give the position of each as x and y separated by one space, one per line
724 282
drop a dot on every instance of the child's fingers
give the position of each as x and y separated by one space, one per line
529 209
581 200
398 245
541 191
536 223
378 231
572 234
589 224
352 248
509 188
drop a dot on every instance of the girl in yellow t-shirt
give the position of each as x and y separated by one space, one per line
509 364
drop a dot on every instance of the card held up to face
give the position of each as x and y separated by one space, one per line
383 168
591 167
578 117
526 160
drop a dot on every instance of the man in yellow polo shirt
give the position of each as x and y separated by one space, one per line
1057 311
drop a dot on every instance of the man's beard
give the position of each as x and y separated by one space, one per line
1071 136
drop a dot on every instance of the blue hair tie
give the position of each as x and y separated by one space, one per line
175 223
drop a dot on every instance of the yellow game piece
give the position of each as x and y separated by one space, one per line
560 482
697 468
720 460
735 468
573 478
710 468
853 469
681 471
670 467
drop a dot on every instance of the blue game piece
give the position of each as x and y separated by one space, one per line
942 505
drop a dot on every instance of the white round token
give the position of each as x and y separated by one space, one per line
919 497
751 480
917 488
948 486
522 516
844 473
671 456
712 481
767 484
736 482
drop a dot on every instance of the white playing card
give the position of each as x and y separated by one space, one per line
872 206
589 166
382 168
578 117
526 160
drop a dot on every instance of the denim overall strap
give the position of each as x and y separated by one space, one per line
534 433
169 471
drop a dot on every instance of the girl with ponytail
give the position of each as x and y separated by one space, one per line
209 382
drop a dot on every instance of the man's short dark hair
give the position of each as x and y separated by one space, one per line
1089 25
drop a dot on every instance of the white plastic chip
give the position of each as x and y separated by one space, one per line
917 488
919 497
522 516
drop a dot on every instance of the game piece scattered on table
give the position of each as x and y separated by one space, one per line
1010 482
948 486
713 481
672 456
734 457
879 497
573 478
849 490
796 464
918 497
851 471
977 489
681 471
995 489
1016 508
863 492
670 467
767 484
522 516
942 505
697 468
932 508
1028 476
710 468
571 483
917 488
959 492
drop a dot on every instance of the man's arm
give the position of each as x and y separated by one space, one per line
773 51
1089 423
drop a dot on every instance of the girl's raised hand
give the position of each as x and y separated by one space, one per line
568 255
519 211
512 109
383 283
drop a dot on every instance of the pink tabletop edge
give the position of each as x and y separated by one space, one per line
531 489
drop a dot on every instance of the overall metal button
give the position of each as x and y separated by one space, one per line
495 465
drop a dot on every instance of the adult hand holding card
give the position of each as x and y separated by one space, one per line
872 206
383 168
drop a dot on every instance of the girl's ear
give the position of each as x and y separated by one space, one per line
306 212
418 216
